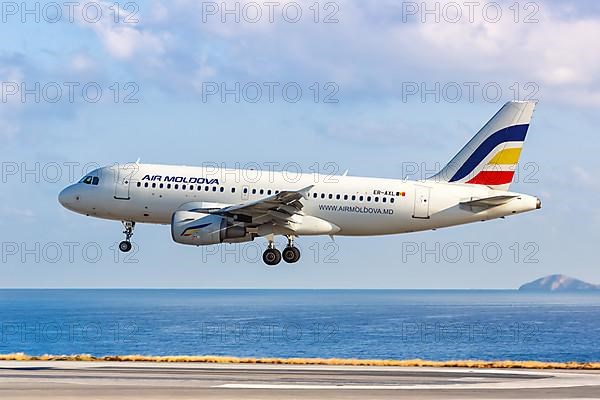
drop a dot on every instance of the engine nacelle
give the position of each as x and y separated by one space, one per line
204 229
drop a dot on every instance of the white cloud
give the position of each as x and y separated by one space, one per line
82 63
126 41
10 104
554 53
370 51
585 178
17 212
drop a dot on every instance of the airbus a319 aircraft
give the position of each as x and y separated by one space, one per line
207 207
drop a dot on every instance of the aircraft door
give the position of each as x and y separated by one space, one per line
123 181
421 207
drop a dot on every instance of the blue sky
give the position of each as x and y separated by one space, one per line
372 59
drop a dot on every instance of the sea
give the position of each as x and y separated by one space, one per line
363 324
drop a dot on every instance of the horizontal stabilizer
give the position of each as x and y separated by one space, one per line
488 202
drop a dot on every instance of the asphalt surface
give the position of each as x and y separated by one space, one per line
124 380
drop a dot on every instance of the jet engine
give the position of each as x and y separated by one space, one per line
204 229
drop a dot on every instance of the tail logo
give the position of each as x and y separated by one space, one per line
495 160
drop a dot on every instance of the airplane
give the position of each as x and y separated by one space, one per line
207 206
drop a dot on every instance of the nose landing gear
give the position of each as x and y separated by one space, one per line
125 245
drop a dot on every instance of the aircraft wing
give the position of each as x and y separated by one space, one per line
277 209
487 202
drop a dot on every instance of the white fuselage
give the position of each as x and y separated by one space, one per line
356 206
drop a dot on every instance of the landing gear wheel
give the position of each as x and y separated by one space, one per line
125 246
291 254
272 256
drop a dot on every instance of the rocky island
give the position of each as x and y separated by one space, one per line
558 283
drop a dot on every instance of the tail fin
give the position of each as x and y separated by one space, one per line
491 156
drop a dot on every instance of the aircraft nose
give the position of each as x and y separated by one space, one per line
67 197
63 196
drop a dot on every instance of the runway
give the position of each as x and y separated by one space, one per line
112 380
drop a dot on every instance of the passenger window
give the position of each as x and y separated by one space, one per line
322 195
146 184
376 199
139 184
176 186
345 197
337 196
95 180
161 186
253 191
315 195
384 199
392 200
153 185
182 187
191 187
214 188
221 189
368 198
330 196
361 198
269 192
232 190
262 191
206 188
353 197
168 186
245 190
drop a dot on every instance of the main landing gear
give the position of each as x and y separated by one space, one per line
125 245
272 256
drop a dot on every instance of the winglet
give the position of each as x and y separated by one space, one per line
304 191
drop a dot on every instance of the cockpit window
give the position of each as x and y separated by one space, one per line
90 180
